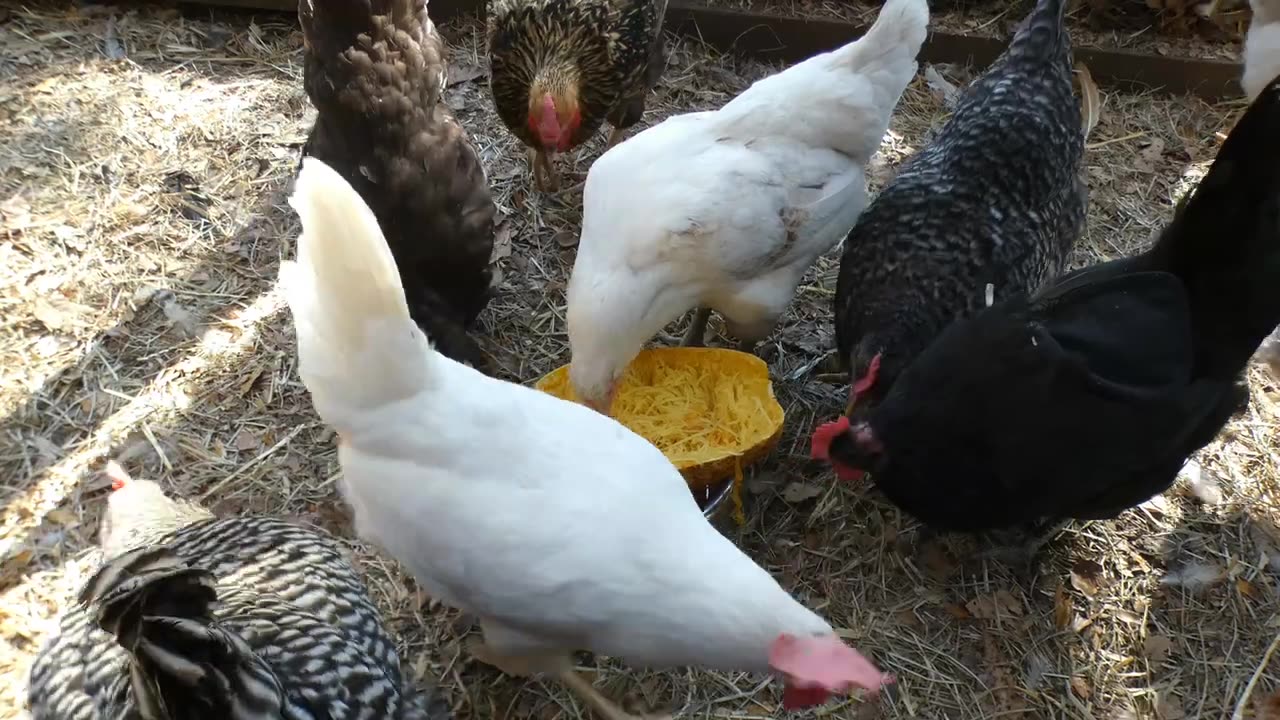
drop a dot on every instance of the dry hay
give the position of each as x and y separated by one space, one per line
143 222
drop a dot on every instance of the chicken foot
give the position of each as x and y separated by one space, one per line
603 706
559 665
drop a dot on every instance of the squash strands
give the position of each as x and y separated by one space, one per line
707 409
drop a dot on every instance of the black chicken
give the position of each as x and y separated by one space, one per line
376 72
196 618
995 198
1087 399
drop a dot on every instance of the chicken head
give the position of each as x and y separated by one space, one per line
819 666
852 449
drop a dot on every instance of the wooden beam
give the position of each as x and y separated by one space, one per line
440 10
790 39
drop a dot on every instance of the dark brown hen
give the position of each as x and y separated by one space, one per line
560 68
1087 398
375 71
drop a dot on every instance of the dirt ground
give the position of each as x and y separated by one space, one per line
145 155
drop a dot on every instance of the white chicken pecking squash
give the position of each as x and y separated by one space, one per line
556 526
727 209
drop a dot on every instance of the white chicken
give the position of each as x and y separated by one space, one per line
556 526
727 209
1261 47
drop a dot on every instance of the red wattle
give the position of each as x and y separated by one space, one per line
820 444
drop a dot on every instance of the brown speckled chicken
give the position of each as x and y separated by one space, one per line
375 71
560 68
193 617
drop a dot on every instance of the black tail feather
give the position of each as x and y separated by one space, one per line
160 610
1224 241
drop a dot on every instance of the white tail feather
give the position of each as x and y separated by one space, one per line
358 349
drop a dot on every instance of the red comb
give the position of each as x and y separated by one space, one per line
820 445
549 123
865 382
824 663
119 478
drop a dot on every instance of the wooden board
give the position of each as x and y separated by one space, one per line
440 10
791 39
788 39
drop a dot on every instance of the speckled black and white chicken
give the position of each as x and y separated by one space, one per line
192 617
995 198
376 72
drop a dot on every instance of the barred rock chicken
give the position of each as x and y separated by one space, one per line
728 209
995 198
560 68
556 526
375 71
1087 398
196 618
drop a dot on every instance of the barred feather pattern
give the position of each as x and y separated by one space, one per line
996 198
375 70
614 48
291 618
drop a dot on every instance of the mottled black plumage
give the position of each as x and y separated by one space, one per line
1088 398
236 618
612 51
996 197
375 71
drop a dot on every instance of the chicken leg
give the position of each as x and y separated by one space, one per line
696 335
603 706
615 137
545 176
559 665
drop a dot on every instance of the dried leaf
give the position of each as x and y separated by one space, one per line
942 89
1009 603
1246 588
908 618
247 441
1169 707
1268 707
1157 648
937 563
565 239
459 74
1081 687
62 516
1062 608
1086 576
959 612
800 491
1149 156
501 241
49 314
